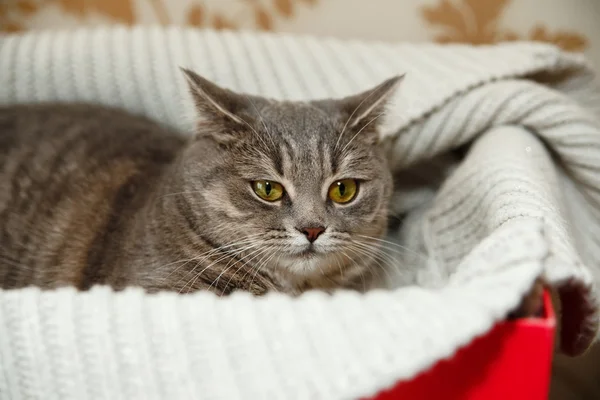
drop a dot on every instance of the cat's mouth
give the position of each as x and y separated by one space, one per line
304 252
307 253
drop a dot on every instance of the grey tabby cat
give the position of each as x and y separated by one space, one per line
267 195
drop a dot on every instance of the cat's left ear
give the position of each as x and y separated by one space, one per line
365 109
215 103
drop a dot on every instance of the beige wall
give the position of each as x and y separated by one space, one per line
572 24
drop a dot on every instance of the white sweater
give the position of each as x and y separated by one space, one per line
506 214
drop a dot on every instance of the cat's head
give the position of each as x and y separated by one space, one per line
302 187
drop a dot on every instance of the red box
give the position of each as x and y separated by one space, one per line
512 361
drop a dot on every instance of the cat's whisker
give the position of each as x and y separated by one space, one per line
395 264
336 255
279 254
261 264
383 249
373 255
194 277
378 257
280 250
269 251
374 252
192 280
353 251
362 276
231 255
196 258
348 257
214 263
245 263
378 271
249 239
253 244
378 248
256 267
227 267
394 244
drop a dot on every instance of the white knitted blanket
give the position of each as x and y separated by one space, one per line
526 200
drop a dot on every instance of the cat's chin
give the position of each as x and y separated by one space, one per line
310 264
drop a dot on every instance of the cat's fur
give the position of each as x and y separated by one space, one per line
90 195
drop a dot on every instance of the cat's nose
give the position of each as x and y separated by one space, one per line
312 233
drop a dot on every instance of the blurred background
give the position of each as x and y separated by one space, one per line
573 25
570 24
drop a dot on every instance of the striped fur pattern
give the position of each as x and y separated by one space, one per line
91 195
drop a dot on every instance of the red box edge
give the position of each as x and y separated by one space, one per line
530 336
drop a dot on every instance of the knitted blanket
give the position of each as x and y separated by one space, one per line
524 201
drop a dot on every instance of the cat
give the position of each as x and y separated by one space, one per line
265 195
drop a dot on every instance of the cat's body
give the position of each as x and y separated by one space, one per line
74 179
90 195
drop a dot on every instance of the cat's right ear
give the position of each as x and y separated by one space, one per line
216 104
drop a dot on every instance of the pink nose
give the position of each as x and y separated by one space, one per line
312 233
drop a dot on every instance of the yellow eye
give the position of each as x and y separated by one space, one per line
343 191
267 190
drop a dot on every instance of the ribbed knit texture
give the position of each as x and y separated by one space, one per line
507 213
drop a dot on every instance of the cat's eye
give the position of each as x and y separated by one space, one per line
268 190
343 191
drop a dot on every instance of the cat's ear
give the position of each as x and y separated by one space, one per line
365 108
215 103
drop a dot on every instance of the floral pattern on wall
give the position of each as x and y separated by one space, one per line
263 13
479 22
462 21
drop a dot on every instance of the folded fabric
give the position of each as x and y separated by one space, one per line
525 200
